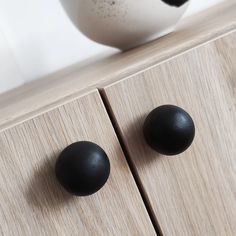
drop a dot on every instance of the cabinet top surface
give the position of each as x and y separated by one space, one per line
39 96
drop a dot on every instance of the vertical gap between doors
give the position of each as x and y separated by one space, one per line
130 163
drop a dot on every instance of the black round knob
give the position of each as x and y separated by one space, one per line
82 168
169 130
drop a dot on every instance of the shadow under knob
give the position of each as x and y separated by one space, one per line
169 130
82 168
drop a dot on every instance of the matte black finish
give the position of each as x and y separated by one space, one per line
82 168
169 130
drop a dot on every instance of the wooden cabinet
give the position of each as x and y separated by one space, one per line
192 193
106 102
31 200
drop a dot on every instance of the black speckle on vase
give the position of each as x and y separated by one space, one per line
110 9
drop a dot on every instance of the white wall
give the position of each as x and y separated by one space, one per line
199 5
37 38
10 75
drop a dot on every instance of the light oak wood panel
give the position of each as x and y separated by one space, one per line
193 193
33 203
41 95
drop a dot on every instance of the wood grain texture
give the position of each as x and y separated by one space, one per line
193 193
32 202
42 95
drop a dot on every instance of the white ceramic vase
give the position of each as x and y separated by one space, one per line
125 24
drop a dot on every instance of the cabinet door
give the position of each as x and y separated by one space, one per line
193 193
31 200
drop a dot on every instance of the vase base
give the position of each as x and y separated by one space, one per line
146 40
